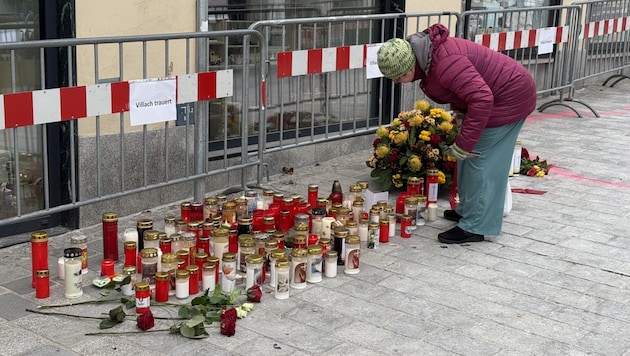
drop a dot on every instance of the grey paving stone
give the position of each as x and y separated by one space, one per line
14 307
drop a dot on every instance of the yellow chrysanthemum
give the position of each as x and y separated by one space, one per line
441 177
416 120
436 112
396 122
382 132
446 115
425 135
381 151
421 105
398 183
414 163
445 126
401 137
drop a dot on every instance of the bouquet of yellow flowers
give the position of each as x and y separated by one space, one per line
414 142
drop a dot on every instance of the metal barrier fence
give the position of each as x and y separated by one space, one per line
604 40
107 157
317 88
540 38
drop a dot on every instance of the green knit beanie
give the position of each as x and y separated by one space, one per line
395 58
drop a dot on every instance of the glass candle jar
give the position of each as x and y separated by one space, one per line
298 268
254 274
241 207
228 270
314 264
312 194
215 261
184 211
165 244
149 264
220 244
357 210
107 267
196 211
353 254
208 277
182 284
414 185
176 242
405 226
189 242
411 209
143 297
127 289
228 213
373 235
184 256
193 279
282 267
169 265
267 198
42 284
327 223
422 206
432 186
161 287
203 245
285 222
143 225
110 236
151 239
339 242
383 235
299 241
330 262
210 208
73 284
130 253
362 229
81 242
244 225
39 253
247 246
169 225
273 257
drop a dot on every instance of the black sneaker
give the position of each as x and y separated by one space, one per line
452 215
457 236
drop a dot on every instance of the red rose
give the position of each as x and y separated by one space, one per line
435 139
524 153
146 321
228 321
376 142
254 294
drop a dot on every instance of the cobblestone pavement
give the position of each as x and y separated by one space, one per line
555 282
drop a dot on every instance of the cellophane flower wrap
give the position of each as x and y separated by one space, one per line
412 143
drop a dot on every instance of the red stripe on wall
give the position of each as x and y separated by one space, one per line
284 65
207 85
18 109
73 102
314 61
120 97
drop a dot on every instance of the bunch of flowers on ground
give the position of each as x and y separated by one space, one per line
414 142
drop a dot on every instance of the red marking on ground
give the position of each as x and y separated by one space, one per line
567 174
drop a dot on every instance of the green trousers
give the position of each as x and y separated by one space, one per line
482 181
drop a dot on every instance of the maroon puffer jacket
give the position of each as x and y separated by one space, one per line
490 87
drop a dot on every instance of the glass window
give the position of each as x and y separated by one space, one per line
20 148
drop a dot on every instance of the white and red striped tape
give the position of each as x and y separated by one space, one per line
503 41
320 60
62 104
605 27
